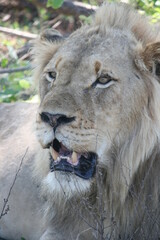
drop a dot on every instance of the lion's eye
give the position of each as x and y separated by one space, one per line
104 81
51 76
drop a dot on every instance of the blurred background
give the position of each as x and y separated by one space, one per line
22 20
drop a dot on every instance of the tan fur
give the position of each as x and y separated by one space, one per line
119 122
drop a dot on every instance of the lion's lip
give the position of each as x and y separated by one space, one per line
81 164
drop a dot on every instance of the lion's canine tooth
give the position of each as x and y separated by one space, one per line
74 158
54 154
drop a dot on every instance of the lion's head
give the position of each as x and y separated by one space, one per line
99 103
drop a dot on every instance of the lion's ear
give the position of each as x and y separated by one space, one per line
149 59
51 35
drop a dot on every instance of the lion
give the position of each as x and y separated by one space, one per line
89 167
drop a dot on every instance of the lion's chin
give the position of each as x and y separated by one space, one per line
67 161
64 184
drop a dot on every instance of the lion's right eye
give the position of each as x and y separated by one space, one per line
51 76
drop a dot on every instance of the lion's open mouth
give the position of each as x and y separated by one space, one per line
81 164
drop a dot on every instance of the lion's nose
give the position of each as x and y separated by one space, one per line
54 120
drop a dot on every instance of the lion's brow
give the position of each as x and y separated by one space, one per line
57 62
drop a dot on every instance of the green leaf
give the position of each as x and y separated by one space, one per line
24 84
4 62
55 3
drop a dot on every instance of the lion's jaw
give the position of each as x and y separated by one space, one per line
101 112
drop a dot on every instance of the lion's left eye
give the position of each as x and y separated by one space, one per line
104 81
51 76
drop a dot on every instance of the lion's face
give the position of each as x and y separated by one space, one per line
89 89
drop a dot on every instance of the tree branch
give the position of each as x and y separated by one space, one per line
18 33
20 69
76 8
68 8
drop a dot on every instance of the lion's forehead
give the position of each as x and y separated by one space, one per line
113 45
71 60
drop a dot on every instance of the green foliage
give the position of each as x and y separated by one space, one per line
44 14
4 62
85 19
150 7
12 84
55 3
24 84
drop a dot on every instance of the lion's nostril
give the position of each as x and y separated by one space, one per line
51 119
54 120
44 117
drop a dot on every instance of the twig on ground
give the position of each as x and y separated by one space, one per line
5 208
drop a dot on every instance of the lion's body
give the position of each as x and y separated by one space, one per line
16 135
99 99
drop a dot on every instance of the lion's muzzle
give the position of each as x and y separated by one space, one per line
82 164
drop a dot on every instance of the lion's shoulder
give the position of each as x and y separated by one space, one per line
15 116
